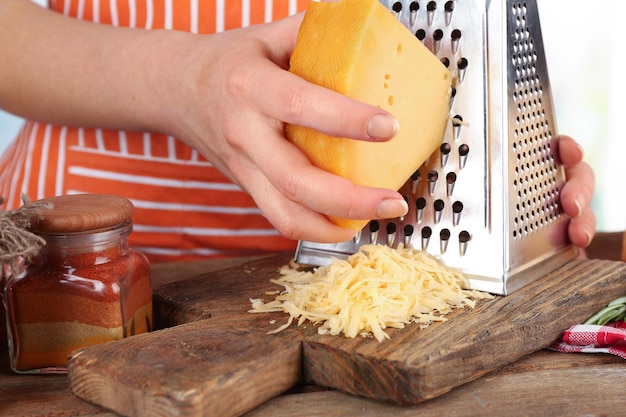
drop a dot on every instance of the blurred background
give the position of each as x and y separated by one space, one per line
583 41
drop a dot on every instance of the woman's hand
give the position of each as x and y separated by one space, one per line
577 192
234 104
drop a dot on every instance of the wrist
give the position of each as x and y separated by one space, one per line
172 69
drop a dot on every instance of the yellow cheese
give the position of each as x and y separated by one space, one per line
377 288
359 49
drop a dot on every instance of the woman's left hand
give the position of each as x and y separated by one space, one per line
577 192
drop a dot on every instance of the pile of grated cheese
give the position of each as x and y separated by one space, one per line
376 288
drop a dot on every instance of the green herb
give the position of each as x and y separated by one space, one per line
614 311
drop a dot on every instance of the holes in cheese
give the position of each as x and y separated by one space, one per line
376 288
359 49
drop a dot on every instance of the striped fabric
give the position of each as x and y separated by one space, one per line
185 209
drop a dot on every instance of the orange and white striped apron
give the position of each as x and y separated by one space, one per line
185 209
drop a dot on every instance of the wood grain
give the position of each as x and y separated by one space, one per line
579 393
223 293
37 395
414 366
82 212
421 364
204 368
542 384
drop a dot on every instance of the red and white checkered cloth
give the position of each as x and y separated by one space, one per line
591 338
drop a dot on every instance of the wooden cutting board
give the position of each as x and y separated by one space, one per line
217 359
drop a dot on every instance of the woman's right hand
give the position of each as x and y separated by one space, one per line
232 105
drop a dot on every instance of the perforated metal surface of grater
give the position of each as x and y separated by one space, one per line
486 202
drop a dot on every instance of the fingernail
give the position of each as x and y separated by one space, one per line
579 207
392 208
382 126
588 237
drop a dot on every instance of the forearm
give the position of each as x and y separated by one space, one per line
65 71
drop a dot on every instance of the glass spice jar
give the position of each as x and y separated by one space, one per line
86 286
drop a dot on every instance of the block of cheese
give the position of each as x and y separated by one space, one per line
359 49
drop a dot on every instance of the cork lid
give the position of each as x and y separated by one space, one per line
82 212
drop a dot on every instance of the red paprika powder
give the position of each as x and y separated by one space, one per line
85 287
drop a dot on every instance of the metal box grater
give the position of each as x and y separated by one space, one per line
486 202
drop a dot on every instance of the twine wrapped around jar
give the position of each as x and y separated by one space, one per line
17 244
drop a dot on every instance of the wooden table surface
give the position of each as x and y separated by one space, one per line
544 383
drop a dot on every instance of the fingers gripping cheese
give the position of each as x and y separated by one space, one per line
359 49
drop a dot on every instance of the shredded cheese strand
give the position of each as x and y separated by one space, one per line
375 288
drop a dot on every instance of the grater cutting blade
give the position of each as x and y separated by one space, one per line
486 202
